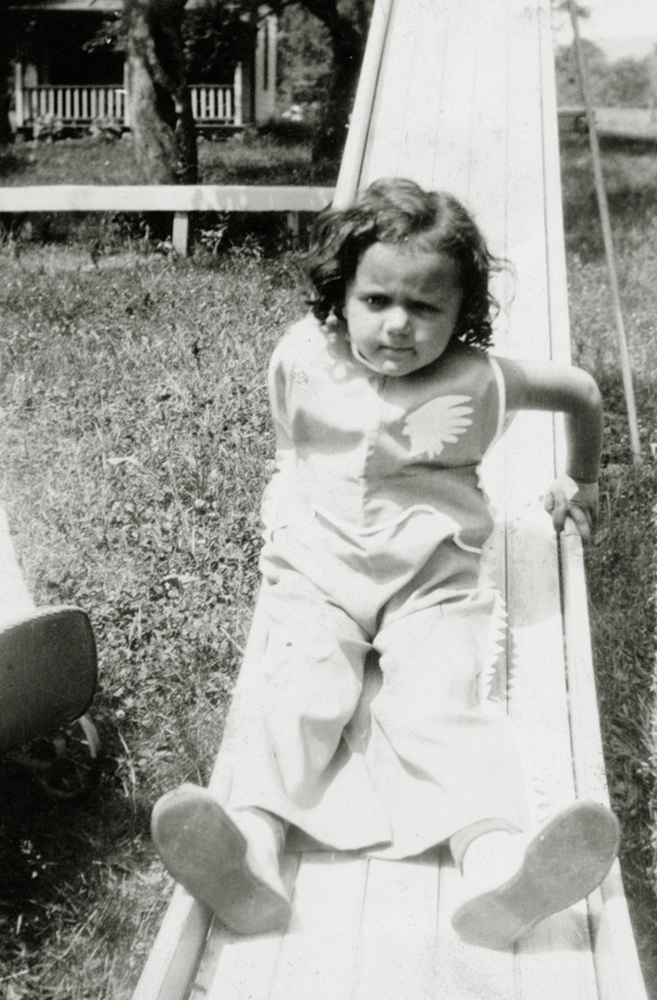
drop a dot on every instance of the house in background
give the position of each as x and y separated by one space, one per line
57 77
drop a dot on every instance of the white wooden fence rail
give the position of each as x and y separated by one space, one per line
166 198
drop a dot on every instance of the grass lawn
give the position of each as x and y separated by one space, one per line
248 159
621 563
134 445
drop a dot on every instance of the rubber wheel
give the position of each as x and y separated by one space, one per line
64 764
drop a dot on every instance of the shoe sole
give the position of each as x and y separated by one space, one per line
563 864
205 851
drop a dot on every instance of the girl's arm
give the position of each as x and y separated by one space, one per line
571 391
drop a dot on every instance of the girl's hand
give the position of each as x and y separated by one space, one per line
569 498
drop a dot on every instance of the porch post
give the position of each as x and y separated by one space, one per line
272 56
18 95
237 94
652 69
126 96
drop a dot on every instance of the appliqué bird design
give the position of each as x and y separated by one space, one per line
439 422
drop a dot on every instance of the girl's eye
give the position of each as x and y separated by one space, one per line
376 301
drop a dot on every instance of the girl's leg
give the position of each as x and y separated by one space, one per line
514 881
298 704
294 708
429 708
430 711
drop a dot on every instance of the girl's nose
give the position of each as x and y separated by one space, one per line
397 322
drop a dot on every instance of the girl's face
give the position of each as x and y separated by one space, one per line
401 307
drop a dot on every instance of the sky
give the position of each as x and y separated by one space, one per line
620 27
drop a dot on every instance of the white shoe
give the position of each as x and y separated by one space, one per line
563 863
204 850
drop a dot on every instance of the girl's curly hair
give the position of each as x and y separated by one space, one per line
400 213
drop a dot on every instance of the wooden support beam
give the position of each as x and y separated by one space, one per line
163 198
181 200
180 234
18 94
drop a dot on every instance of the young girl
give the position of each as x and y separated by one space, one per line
385 402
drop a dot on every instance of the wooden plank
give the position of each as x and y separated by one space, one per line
555 959
488 154
241 968
546 963
404 117
163 198
175 955
452 149
466 973
398 936
320 948
359 126
554 229
616 960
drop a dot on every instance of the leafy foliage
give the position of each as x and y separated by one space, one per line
624 82
304 52
215 37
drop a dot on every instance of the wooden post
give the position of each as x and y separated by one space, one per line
126 102
237 102
18 78
293 226
652 69
272 53
607 235
180 233
352 157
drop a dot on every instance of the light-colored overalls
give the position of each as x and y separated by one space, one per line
375 522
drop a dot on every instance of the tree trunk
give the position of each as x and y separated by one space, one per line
6 80
163 129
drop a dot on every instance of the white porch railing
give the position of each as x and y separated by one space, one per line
212 104
216 104
71 105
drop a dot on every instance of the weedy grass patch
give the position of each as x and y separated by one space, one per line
251 158
134 446
621 563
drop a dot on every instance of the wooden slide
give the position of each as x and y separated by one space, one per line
458 95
